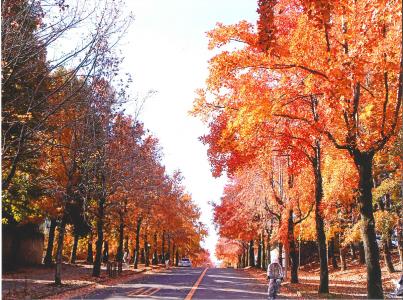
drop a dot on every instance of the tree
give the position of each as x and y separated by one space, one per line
354 80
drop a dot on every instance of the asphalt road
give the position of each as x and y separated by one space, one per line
180 283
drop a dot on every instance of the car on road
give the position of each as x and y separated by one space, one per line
185 262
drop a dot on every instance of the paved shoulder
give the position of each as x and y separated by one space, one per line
230 284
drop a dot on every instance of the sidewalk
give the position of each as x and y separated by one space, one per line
37 282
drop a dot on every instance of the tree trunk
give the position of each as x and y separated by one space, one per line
126 246
363 161
177 257
353 254
332 253
292 249
263 252
361 253
400 241
119 255
105 255
259 253
137 249
146 250
168 255
387 256
320 231
74 250
49 250
59 252
155 254
268 247
246 256
280 254
342 254
163 247
90 255
96 270
343 263
251 254
142 256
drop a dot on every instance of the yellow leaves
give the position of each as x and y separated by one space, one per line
333 231
366 112
385 221
388 186
353 234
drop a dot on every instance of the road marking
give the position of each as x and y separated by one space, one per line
144 292
136 292
152 291
196 285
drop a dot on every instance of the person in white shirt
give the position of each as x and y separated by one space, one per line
126 257
275 276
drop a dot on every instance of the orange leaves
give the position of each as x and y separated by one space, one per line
242 32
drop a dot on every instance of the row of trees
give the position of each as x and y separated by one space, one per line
304 112
69 153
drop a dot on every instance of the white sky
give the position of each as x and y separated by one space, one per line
166 50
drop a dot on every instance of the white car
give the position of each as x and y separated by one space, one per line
185 262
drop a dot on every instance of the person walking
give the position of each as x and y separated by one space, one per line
275 276
126 257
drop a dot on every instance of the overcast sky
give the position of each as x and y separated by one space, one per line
166 50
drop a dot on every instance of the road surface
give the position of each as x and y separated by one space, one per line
187 283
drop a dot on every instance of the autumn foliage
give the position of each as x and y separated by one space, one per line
300 107
73 162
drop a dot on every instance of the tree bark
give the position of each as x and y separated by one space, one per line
163 247
292 248
320 231
155 248
331 253
96 270
251 254
74 249
177 257
146 250
49 250
168 254
268 247
280 254
59 252
363 161
400 241
105 255
90 255
361 253
259 253
137 249
245 255
119 255
263 252
353 254
343 263
387 256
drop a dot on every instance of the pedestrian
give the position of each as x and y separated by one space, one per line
126 257
167 263
275 276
